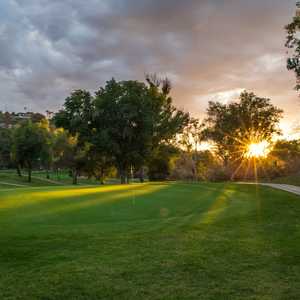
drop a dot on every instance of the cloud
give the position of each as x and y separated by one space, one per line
223 97
209 47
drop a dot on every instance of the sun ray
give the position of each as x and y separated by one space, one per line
257 150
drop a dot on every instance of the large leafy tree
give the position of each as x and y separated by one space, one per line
167 120
133 119
99 164
235 125
29 140
168 123
76 117
293 44
287 156
123 123
192 136
47 150
65 152
162 162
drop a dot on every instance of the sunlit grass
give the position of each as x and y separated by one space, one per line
218 206
149 241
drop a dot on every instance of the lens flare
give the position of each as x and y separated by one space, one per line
257 150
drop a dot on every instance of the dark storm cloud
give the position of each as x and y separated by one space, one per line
210 48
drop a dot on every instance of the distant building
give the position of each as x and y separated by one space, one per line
298 9
9 120
26 115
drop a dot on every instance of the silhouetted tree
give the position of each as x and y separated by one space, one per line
293 44
232 127
162 162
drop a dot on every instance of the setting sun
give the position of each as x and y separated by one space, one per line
261 149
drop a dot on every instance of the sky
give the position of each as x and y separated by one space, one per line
210 49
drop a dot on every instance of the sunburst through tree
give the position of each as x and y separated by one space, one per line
258 149
243 132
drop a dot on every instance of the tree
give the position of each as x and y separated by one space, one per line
210 167
293 43
99 165
123 124
168 123
162 162
191 136
286 155
133 119
76 117
5 147
232 127
167 120
37 118
189 141
47 150
28 143
185 167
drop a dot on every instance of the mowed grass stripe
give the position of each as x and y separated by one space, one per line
150 241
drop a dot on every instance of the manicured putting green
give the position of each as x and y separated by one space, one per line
150 241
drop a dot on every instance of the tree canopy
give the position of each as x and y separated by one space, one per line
131 128
293 44
29 142
235 125
123 123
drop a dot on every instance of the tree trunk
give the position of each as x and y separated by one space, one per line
129 175
29 174
75 175
141 173
47 174
123 176
19 171
102 176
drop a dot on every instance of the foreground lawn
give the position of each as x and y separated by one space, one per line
151 241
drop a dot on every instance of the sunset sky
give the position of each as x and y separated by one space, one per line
210 49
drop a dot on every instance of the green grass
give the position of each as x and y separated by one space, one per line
150 241
39 179
9 179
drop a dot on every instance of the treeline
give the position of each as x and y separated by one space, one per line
132 129
121 127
